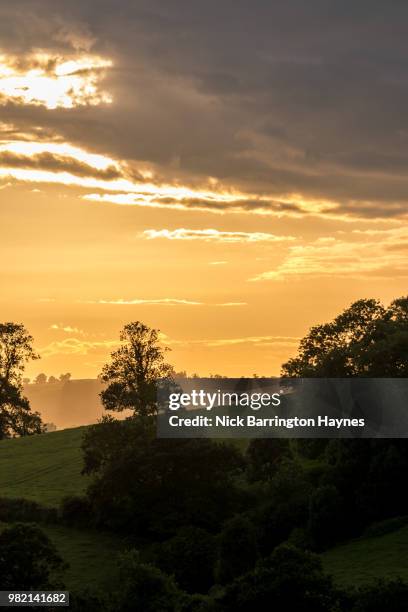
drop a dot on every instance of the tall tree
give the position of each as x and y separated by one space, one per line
16 417
366 339
134 371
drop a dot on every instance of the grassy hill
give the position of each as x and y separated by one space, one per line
369 558
48 467
43 468
91 556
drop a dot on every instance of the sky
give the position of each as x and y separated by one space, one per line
228 172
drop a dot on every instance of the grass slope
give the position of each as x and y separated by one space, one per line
369 558
48 467
91 556
43 468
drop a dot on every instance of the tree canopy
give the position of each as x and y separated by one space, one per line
28 558
366 340
16 417
134 370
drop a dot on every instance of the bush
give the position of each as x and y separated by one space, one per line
289 579
26 511
264 456
199 603
311 448
384 527
28 559
76 511
190 556
327 516
152 487
91 602
144 587
389 596
238 548
286 508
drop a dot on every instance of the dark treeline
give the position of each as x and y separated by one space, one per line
213 526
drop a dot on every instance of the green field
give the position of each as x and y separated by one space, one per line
43 468
369 558
91 556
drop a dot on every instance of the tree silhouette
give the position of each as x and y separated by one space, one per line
135 368
366 339
40 379
28 559
16 418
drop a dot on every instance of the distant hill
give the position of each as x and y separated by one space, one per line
67 404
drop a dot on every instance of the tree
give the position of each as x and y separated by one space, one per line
327 516
40 379
16 418
289 579
151 486
190 556
144 587
285 506
264 455
65 377
367 339
199 603
238 548
28 559
133 373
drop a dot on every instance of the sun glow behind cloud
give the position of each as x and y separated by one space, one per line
53 81
105 180
102 179
214 235
28 149
61 163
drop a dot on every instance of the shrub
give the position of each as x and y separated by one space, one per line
238 548
26 511
76 511
391 596
144 587
28 559
289 579
190 556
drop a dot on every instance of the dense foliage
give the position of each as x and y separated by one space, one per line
219 528
16 417
366 339
28 559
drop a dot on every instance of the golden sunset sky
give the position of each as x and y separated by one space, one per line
228 172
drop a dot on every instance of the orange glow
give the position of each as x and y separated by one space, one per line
69 83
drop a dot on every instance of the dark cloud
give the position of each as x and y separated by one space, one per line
270 97
56 163
246 205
